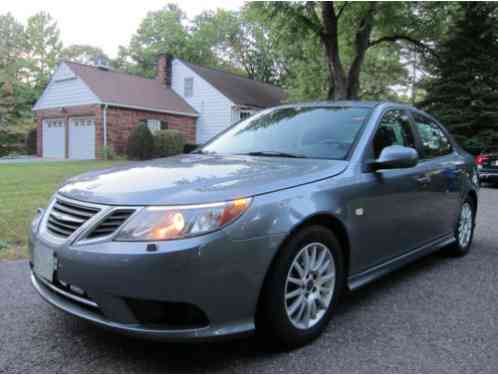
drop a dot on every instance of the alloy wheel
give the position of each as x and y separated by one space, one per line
310 285
465 225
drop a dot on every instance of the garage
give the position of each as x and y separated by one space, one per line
54 139
82 138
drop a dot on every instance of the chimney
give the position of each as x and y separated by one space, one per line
163 69
101 62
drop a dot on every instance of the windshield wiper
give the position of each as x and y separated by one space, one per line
275 154
202 152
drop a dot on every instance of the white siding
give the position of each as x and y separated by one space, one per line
65 89
215 110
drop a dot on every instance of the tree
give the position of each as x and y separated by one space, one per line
161 31
463 90
239 41
7 103
343 27
44 47
12 45
15 92
84 54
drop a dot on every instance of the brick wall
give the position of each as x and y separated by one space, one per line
121 121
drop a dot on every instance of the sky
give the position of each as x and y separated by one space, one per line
103 23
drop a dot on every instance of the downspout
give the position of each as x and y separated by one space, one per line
105 131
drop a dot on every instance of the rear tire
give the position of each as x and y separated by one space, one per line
301 289
464 231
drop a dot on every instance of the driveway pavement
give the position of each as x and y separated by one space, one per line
437 315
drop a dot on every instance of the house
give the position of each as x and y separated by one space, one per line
85 108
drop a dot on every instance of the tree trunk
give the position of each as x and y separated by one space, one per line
361 44
330 41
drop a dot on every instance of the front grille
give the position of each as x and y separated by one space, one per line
111 223
66 217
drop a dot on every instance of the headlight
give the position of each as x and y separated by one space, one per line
168 223
36 220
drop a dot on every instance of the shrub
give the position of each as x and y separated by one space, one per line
140 143
108 153
31 142
168 142
189 147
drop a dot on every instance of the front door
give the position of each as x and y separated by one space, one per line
388 211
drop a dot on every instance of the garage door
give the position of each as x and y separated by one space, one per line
82 138
54 139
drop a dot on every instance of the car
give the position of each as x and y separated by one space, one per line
262 229
487 164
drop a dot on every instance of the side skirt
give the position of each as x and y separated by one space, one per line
376 272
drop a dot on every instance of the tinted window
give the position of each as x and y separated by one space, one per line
394 129
434 141
314 132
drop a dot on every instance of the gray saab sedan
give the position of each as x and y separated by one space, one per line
261 229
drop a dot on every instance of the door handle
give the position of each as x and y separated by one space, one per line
423 180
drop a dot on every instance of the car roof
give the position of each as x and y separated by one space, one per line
346 103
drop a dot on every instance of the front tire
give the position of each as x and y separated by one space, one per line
302 288
464 231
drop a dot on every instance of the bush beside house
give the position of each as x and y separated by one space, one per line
168 142
31 142
140 143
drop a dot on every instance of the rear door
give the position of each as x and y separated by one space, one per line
443 171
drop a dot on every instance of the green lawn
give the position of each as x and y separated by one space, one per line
23 188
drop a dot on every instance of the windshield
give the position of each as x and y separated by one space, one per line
311 132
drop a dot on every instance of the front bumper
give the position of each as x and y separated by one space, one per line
218 276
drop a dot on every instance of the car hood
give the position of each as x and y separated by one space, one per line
196 178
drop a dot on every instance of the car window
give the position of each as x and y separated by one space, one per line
394 129
309 131
434 142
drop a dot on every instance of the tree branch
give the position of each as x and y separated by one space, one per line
406 38
307 21
346 3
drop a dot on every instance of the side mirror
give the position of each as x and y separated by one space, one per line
393 157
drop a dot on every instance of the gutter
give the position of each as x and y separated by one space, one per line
151 109
105 127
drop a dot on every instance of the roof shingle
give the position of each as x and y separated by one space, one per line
240 90
124 89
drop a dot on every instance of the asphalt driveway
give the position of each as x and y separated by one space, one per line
438 315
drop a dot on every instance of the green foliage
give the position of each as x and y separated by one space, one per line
12 141
168 142
44 47
108 153
463 93
162 31
31 142
140 143
84 54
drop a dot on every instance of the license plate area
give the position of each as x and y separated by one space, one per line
44 262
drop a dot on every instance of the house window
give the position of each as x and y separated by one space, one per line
245 114
154 125
188 89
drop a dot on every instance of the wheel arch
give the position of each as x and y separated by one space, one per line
472 195
326 220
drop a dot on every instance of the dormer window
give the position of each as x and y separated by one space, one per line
188 89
